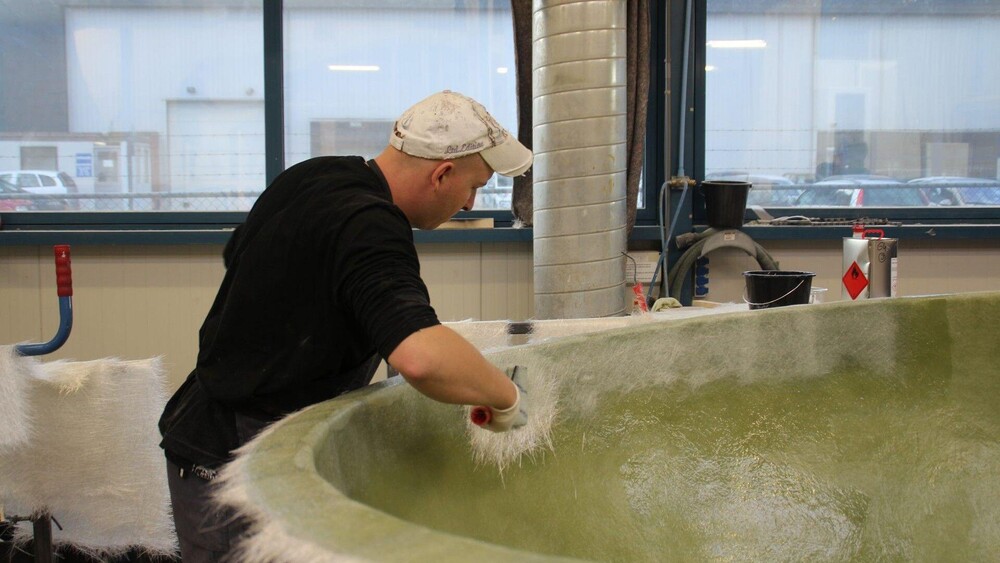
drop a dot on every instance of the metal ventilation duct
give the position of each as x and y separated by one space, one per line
579 133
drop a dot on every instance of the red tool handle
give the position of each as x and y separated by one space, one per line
64 274
879 232
481 416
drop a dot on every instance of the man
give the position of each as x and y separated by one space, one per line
322 279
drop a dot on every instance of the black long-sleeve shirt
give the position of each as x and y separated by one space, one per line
321 276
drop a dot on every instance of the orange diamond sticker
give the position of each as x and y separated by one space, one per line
855 280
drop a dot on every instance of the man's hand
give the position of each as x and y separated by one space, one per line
515 416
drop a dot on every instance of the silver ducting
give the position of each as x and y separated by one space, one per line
579 135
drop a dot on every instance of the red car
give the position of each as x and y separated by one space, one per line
13 198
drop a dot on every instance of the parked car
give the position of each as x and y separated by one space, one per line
13 198
45 185
957 190
862 190
49 182
767 190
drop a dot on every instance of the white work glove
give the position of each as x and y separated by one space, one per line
515 416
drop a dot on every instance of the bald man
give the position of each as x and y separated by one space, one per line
322 281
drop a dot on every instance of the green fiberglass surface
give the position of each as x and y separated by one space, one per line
845 431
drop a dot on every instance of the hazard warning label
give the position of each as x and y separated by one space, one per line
855 280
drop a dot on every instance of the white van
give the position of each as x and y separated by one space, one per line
42 182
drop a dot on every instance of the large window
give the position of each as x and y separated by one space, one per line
855 104
350 72
134 108
160 106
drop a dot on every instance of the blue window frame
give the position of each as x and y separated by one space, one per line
848 110
168 125
257 98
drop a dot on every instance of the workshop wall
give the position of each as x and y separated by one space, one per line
141 301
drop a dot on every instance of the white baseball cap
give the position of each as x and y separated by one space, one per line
448 125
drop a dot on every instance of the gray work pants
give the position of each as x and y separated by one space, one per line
206 533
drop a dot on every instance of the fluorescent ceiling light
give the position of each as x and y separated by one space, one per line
502 70
354 68
738 44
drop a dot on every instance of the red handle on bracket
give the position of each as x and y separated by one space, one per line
64 272
481 416
879 232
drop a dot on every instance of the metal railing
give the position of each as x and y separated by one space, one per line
825 194
488 199
150 201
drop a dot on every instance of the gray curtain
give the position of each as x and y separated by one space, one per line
637 64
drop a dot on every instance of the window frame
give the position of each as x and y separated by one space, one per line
662 139
180 227
922 222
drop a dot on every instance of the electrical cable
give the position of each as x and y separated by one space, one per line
661 262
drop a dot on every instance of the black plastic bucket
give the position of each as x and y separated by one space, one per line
725 202
777 288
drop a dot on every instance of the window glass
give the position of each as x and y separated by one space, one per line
39 158
349 72
28 181
141 106
832 103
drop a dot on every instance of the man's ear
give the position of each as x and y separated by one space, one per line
440 171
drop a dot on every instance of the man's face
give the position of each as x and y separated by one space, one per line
455 190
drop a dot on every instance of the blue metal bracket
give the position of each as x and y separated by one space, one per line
64 288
